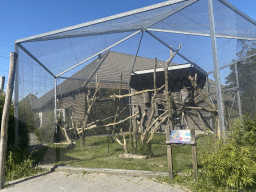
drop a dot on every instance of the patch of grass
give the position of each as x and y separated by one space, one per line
95 155
85 172
202 184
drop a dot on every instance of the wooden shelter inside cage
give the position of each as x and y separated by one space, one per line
181 91
72 101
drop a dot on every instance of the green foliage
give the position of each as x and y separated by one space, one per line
249 136
233 164
26 114
145 149
46 132
17 165
85 172
23 141
246 76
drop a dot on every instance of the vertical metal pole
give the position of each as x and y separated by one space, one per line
55 111
238 92
137 52
216 69
130 98
16 98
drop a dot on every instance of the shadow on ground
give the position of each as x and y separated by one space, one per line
42 154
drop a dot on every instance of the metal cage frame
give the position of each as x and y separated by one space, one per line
57 34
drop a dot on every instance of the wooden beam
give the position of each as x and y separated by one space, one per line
5 116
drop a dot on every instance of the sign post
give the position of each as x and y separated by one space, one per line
186 136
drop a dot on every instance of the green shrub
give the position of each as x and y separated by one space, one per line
249 136
45 133
23 139
233 164
18 165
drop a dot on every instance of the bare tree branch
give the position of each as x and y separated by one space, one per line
124 145
135 93
143 136
108 125
102 120
64 129
155 128
201 92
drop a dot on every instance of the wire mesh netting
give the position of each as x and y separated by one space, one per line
94 62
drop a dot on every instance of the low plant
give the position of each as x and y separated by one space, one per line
17 165
232 166
223 166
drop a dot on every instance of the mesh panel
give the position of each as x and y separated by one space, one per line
230 23
247 82
194 18
190 26
65 53
132 22
36 111
195 48
231 109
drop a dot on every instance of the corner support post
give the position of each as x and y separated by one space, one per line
216 69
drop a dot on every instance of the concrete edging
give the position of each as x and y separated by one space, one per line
82 170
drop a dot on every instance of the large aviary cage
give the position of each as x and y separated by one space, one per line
57 68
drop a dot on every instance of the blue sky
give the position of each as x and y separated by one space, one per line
23 18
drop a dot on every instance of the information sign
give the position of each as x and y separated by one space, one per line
180 136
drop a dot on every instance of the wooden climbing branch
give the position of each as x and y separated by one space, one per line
123 144
201 92
90 102
149 125
142 121
102 120
143 136
108 125
155 128
136 93
64 129
117 104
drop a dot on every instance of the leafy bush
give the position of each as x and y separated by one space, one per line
18 165
45 133
233 164
23 139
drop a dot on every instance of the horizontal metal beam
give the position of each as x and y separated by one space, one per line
232 7
202 34
35 59
80 34
237 61
98 53
121 15
103 81
169 47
